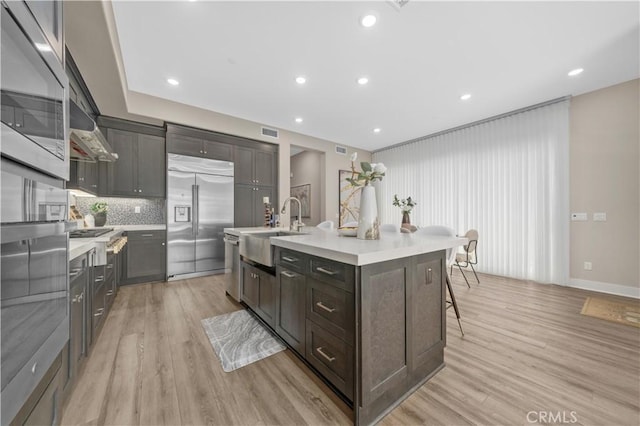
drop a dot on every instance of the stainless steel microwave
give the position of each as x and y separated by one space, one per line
34 92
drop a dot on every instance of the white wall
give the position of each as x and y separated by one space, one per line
307 167
605 177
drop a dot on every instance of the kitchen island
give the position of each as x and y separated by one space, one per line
367 316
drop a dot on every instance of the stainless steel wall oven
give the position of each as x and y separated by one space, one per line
34 284
34 93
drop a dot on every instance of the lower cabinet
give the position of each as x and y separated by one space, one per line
290 307
146 256
258 292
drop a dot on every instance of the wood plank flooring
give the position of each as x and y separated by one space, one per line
527 356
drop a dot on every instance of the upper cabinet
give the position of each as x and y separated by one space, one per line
254 166
49 14
140 170
197 147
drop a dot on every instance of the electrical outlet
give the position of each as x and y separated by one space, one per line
136 209
587 266
580 217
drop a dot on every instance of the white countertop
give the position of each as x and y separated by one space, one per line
254 230
79 246
357 252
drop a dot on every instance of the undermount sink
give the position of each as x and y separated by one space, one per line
257 246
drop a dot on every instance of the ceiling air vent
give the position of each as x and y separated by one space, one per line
272 133
398 4
341 150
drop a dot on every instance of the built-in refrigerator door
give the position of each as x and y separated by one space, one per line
181 229
214 213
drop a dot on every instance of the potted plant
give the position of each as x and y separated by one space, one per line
99 210
406 205
368 225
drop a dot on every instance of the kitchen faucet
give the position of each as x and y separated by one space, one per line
297 224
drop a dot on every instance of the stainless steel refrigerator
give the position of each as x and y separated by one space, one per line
199 207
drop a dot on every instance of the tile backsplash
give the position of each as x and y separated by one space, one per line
121 211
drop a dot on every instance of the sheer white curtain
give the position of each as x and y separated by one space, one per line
508 178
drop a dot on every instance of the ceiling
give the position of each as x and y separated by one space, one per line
242 58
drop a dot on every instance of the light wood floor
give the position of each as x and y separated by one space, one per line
526 349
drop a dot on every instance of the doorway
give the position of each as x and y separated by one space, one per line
307 182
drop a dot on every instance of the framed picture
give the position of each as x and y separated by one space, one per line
303 193
349 199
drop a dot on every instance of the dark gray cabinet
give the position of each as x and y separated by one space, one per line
258 291
198 147
141 167
79 275
248 205
83 176
146 258
290 307
254 166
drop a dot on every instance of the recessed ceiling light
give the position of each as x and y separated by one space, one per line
376 130
575 72
298 119
173 81
363 80
466 96
368 20
301 80
43 47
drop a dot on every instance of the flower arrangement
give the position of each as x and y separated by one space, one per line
405 204
99 207
370 172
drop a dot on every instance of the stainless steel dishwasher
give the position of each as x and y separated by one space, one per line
232 265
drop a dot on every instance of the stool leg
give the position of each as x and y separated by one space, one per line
465 277
455 304
474 272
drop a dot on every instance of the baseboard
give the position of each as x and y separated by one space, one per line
610 288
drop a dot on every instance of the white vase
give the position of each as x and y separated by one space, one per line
368 221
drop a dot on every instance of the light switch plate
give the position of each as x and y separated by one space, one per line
579 217
588 266
600 217
136 209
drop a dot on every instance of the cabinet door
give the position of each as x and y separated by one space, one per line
151 168
179 144
76 319
217 151
47 410
243 165
258 206
427 312
264 168
49 17
250 286
243 214
146 256
267 298
122 173
290 308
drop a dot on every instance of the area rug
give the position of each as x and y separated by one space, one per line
620 312
239 339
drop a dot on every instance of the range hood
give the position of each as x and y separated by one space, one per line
87 141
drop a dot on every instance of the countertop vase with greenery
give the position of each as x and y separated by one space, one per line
99 211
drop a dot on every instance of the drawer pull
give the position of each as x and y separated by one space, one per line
99 278
99 312
288 274
34 368
75 272
110 292
146 235
325 356
325 307
110 266
289 259
429 277
326 271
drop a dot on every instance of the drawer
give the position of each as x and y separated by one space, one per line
332 308
332 357
335 273
293 260
146 235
